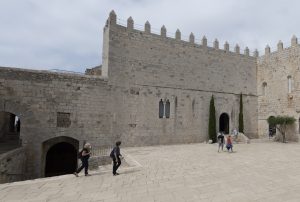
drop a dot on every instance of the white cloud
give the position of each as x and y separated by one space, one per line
67 34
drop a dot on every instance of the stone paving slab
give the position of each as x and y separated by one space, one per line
185 173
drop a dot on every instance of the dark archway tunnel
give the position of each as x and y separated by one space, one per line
61 159
224 123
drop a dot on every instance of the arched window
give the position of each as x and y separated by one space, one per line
193 108
264 88
161 109
167 109
289 84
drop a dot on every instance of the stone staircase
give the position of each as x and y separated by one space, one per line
8 146
241 138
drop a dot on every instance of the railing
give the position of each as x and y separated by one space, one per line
101 151
65 71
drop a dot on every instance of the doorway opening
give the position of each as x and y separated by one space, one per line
10 127
272 129
224 123
61 159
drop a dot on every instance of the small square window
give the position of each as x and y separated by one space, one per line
63 120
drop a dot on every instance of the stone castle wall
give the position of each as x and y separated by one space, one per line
139 69
39 98
12 166
274 98
148 67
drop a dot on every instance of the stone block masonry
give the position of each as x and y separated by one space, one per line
278 88
185 73
39 98
12 165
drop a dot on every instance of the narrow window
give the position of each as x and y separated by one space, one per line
289 84
161 109
193 108
264 88
299 125
167 109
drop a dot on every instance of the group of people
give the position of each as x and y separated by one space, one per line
228 143
116 156
85 154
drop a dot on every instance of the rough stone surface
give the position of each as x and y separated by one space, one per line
274 98
258 172
12 165
37 97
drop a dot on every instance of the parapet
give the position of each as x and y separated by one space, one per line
280 47
192 38
112 21
216 44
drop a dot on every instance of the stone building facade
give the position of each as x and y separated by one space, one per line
150 90
278 87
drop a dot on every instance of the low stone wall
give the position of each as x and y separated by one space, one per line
12 165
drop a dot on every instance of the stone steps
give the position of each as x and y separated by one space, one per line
8 146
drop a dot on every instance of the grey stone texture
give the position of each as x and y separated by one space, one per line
12 165
151 67
37 97
273 71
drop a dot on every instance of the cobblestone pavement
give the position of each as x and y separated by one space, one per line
195 172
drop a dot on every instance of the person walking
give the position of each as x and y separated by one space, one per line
229 143
116 157
84 156
235 134
220 140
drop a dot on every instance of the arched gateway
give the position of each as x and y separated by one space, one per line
60 156
224 123
10 125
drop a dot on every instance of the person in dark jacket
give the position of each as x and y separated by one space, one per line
84 157
220 140
116 157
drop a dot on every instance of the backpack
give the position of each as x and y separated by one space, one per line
112 153
79 155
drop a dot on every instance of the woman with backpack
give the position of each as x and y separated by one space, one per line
84 156
116 155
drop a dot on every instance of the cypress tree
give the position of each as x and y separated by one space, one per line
212 121
241 116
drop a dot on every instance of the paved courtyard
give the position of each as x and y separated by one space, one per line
195 172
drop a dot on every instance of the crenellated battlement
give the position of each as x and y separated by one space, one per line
112 21
280 47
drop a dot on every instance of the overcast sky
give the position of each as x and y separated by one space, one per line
67 34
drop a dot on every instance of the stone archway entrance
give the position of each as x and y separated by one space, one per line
60 156
10 126
61 159
224 123
272 129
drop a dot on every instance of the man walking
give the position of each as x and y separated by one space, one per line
220 140
115 155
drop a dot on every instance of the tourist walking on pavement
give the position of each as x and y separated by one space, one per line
84 156
116 157
220 140
229 143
